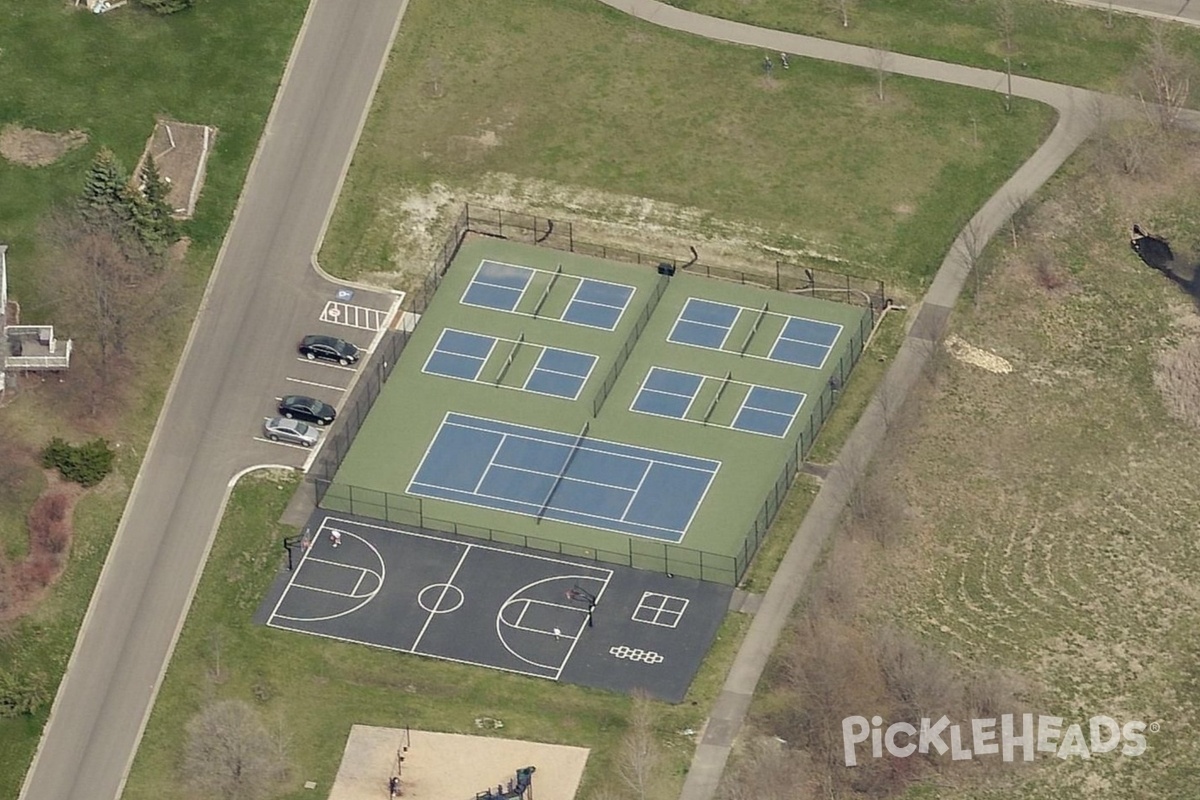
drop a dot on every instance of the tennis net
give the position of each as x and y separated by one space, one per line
566 465
546 292
762 313
717 397
511 355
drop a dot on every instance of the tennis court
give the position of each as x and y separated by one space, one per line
794 340
673 394
504 287
564 477
480 358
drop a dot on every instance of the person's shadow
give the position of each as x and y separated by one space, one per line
1155 252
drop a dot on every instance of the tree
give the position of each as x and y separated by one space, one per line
768 768
639 756
167 6
843 9
107 290
156 227
880 58
106 192
230 754
1006 23
1163 79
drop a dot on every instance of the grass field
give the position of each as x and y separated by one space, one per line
1046 517
316 689
567 103
1048 40
109 76
395 439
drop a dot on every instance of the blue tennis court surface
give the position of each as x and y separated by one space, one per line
561 373
594 303
768 411
566 477
462 355
459 354
667 393
804 342
498 286
764 409
598 304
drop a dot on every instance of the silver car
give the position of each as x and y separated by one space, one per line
292 431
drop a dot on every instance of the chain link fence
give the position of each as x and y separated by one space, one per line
408 511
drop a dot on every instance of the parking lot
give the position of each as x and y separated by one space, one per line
353 315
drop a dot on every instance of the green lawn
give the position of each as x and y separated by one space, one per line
585 100
1049 40
320 688
110 75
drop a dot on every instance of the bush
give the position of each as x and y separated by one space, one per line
49 523
23 694
167 6
86 464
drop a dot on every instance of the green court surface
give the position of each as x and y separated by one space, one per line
707 411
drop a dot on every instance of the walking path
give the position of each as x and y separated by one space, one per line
1077 119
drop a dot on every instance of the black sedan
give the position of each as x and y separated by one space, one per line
309 409
328 348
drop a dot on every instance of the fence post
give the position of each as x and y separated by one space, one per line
778 283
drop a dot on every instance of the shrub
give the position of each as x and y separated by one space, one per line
167 6
23 693
85 464
49 523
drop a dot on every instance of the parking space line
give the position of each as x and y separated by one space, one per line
319 363
314 383
282 444
353 316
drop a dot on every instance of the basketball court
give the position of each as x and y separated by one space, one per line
457 599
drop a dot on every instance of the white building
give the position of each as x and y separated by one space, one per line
27 347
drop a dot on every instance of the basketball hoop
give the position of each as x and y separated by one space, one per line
578 594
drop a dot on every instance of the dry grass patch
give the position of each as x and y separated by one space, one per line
33 148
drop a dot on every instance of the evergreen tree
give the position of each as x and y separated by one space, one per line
106 192
152 215
167 6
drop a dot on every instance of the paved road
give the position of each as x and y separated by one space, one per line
1184 11
260 286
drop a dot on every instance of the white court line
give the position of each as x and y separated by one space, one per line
512 598
304 560
636 490
314 383
358 583
491 461
445 588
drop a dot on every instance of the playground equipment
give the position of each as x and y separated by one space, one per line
519 788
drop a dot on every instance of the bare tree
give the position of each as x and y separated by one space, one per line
229 753
1016 208
1006 24
920 681
769 768
973 243
842 8
880 59
107 288
639 756
1163 79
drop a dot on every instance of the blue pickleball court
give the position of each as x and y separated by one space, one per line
567 477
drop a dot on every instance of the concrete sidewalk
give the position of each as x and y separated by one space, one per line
1077 118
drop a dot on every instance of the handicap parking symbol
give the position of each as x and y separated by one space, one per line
345 294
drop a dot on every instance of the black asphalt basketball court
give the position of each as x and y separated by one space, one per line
511 609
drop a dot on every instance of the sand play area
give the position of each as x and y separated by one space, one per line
448 766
